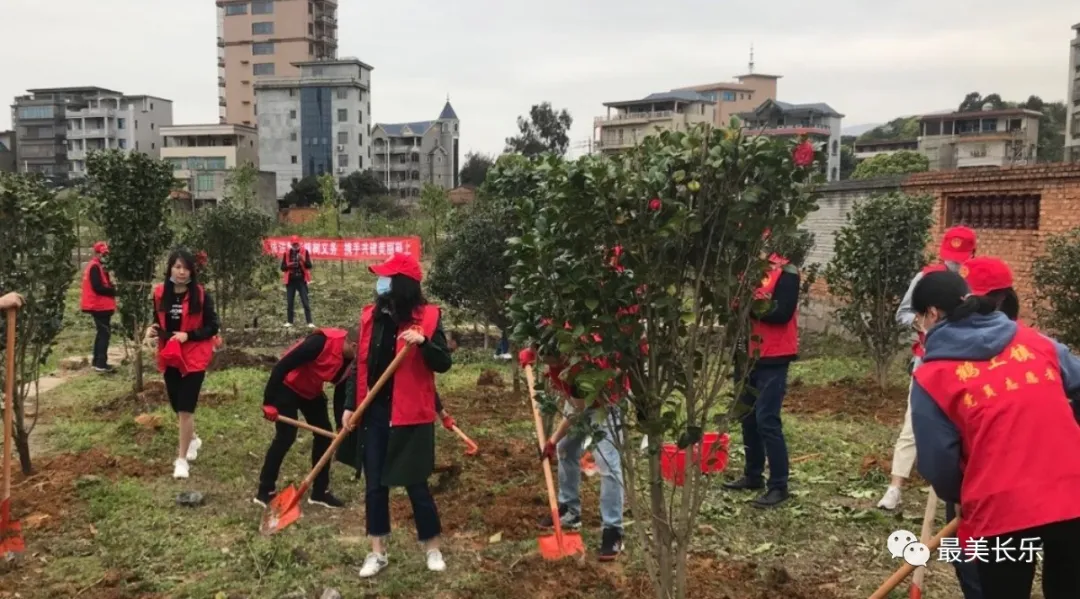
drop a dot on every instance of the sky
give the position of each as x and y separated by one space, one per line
496 58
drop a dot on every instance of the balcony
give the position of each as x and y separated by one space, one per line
221 42
788 130
613 144
76 155
326 19
221 63
91 113
627 118
91 133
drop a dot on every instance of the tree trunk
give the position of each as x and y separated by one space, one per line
680 571
138 365
661 525
22 445
486 327
515 372
881 373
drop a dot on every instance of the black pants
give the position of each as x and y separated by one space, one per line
183 391
1061 564
967 573
291 290
314 411
377 496
102 333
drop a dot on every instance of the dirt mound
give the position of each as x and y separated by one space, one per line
228 357
149 399
490 378
851 398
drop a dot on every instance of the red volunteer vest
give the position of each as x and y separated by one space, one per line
775 339
308 380
1018 435
91 301
289 264
917 348
197 354
413 400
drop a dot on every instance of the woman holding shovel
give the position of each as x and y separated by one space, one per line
185 329
995 432
397 429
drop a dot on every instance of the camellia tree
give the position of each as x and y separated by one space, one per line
645 265
1056 275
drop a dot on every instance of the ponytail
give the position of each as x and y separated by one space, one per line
971 305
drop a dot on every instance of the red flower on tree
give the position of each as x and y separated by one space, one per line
804 154
201 259
654 204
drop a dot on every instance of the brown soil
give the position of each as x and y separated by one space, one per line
152 397
850 398
228 357
490 378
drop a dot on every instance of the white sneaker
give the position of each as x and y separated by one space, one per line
374 563
180 468
311 325
288 325
891 500
435 561
193 449
644 444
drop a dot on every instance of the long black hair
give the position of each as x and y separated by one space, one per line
1007 301
948 291
168 298
404 298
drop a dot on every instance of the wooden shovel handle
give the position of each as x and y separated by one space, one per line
924 535
541 438
464 437
306 426
9 400
902 572
344 432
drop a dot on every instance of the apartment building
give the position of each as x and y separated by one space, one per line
956 140
816 121
408 155
57 127
7 152
628 122
745 94
202 156
1072 123
267 38
316 122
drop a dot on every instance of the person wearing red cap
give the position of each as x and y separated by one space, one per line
957 247
296 269
991 277
397 430
99 301
185 316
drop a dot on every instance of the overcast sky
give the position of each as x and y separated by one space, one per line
497 57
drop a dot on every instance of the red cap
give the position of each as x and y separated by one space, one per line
399 264
985 274
101 248
958 245
294 239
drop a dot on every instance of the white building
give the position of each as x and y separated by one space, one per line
110 120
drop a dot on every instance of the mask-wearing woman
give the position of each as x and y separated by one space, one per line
184 314
995 433
397 429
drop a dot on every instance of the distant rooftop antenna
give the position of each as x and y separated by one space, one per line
751 58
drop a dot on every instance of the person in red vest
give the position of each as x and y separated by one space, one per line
99 301
991 277
296 274
957 247
397 429
185 316
994 432
774 336
296 385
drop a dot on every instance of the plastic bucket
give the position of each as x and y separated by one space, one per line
711 455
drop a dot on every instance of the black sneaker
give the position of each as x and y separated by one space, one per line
745 484
568 522
772 498
611 544
264 498
325 499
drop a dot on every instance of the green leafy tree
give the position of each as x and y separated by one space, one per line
796 247
1056 277
1051 147
475 170
332 201
674 227
896 129
974 102
39 238
304 193
897 163
544 131
362 189
435 203
132 206
877 252
241 186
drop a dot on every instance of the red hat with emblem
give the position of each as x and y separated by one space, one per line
399 264
985 274
957 245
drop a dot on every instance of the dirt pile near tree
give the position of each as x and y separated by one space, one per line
848 398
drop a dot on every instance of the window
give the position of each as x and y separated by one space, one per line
294 159
236 9
136 146
1001 211
728 96
153 145
36 112
317 71
360 162
204 183
343 94
292 136
262 7
310 30
136 124
262 68
835 147
343 160
361 140
262 48
262 28
292 114
342 137
151 126
834 176
360 113
292 93
342 115
121 123
295 180
121 143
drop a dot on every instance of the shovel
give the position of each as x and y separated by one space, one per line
285 508
305 426
902 572
471 448
561 544
11 540
915 592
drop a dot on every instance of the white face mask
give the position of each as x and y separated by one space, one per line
382 286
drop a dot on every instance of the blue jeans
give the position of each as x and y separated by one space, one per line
966 572
377 496
763 433
504 345
290 300
608 464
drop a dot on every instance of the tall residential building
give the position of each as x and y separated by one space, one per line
267 38
988 137
7 152
407 155
58 127
316 122
816 121
634 120
1072 123
747 93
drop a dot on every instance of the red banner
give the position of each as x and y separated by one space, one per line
359 249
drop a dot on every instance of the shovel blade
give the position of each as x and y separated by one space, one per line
282 511
471 448
11 539
551 549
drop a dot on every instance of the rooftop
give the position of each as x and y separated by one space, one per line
447 111
795 109
758 75
71 90
981 114
207 129
726 85
677 95
886 142
335 61
397 129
